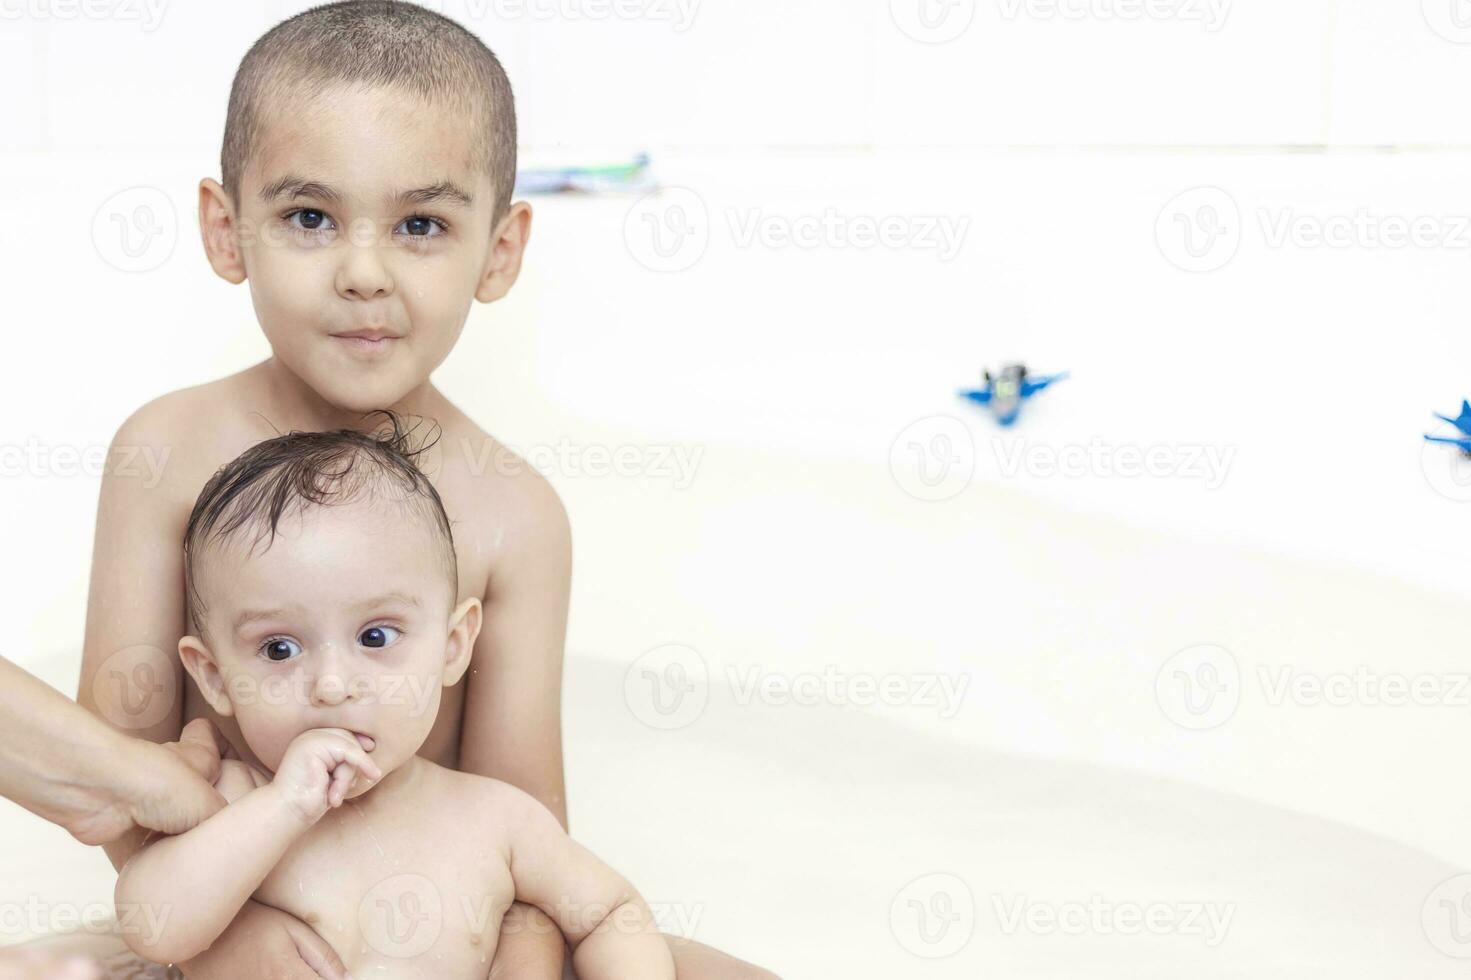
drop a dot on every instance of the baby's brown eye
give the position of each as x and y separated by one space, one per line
279 650
377 636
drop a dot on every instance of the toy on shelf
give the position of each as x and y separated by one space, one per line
623 177
1005 395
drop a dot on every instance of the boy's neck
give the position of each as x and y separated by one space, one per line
305 409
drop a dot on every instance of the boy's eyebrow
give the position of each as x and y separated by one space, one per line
292 186
446 191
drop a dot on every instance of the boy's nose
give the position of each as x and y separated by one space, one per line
363 274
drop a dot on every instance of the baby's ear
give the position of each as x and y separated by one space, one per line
464 627
200 664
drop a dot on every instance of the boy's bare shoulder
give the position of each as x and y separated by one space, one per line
193 431
505 494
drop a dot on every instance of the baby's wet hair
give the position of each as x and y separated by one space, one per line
289 473
371 43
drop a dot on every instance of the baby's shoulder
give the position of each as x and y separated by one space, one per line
485 799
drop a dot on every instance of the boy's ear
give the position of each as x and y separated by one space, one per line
200 664
507 246
218 227
464 627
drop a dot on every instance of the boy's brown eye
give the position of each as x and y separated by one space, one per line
311 219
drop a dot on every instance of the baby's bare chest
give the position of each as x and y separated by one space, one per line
393 903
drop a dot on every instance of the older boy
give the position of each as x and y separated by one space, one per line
368 163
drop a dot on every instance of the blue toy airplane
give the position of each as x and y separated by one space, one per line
1462 424
1004 395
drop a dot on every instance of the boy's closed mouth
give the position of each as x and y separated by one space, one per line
370 339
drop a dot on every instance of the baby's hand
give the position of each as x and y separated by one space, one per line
318 770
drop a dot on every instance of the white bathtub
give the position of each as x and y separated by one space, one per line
810 838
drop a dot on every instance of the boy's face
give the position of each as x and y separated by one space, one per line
345 621
362 252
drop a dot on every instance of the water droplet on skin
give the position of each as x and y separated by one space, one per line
369 828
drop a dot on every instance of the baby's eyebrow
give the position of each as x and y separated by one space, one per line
387 598
249 616
292 186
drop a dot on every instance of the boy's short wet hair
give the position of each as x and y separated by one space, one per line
374 42
300 469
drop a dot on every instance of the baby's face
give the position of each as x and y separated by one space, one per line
332 247
345 621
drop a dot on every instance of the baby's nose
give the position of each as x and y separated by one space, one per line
329 689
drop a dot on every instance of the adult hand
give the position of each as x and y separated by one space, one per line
168 788
65 764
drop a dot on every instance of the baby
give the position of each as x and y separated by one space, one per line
320 571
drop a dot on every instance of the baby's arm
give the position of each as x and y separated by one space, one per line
195 883
610 927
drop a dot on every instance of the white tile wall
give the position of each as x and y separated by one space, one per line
1400 72
811 73
1254 72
